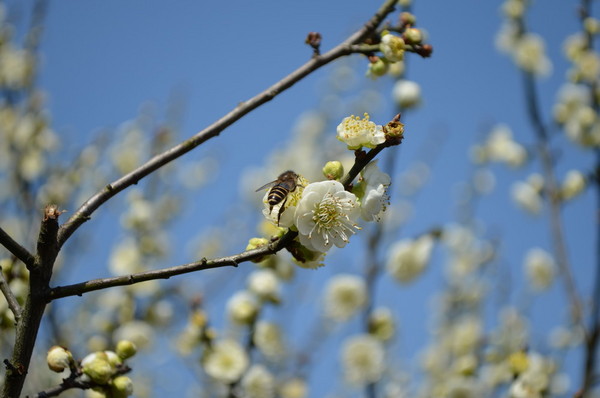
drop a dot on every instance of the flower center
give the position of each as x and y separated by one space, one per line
327 213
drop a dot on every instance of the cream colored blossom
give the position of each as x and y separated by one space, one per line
529 54
226 361
264 284
363 359
392 47
375 197
406 94
540 269
242 307
268 339
293 388
357 133
408 258
381 323
326 216
501 147
258 382
527 197
345 295
573 184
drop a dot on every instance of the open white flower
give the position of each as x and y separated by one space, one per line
357 132
226 361
345 295
258 382
326 216
375 198
408 258
540 268
392 47
363 359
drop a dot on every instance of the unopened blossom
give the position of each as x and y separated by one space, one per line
363 359
573 184
408 258
226 361
258 382
264 284
392 47
358 133
375 197
242 307
527 197
540 268
345 295
59 358
326 216
406 94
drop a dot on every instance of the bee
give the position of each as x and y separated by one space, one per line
280 188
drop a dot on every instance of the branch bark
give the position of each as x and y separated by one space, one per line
16 249
13 304
345 48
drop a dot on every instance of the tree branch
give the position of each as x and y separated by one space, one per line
97 284
13 304
345 48
16 249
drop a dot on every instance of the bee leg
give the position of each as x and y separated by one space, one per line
281 209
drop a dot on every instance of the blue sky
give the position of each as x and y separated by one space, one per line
102 60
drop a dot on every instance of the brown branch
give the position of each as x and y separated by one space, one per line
16 249
345 48
552 196
165 273
13 304
27 328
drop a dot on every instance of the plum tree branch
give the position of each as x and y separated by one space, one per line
345 48
16 249
13 304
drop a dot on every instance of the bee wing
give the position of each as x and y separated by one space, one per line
267 185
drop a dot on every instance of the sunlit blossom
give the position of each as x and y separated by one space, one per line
326 216
226 361
540 268
345 294
406 94
268 339
363 359
242 307
375 197
258 382
527 197
408 258
357 132
392 47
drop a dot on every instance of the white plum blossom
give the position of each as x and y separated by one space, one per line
268 339
258 382
375 197
406 94
501 147
408 258
326 216
527 197
344 296
242 307
529 54
357 132
573 184
540 268
226 361
264 284
293 388
392 47
363 358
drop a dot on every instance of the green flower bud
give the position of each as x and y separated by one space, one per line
98 368
59 358
126 349
413 36
121 387
333 170
377 68
255 243
407 18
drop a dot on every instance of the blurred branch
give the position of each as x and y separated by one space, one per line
553 197
75 381
343 49
16 249
13 304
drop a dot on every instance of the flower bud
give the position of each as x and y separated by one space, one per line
377 68
126 349
121 387
333 170
97 367
407 18
413 36
59 359
255 243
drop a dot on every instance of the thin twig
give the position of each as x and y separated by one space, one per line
345 48
13 304
16 249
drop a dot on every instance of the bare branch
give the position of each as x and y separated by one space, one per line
165 273
13 304
16 249
345 48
